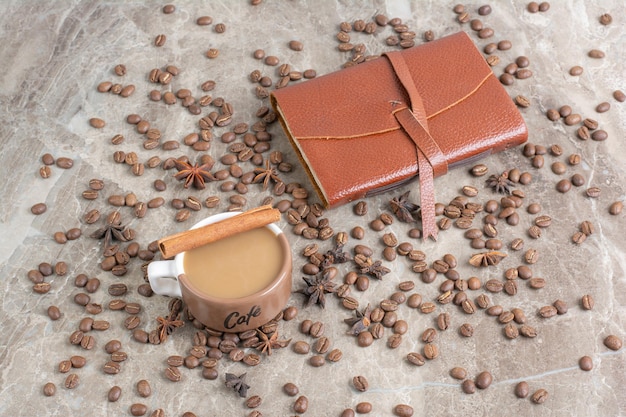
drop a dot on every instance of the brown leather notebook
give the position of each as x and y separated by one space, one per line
411 113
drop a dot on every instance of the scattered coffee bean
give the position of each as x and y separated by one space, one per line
49 389
585 363
522 389
291 389
360 383
613 342
540 396
483 380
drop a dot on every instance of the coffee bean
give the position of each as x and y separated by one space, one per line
54 313
301 404
466 330
468 386
64 163
71 381
522 389
45 172
458 373
97 123
138 409
596 54
296 45
585 363
563 186
360 383
38 208
173 374
403 410
599 135
547 311
290 389
616 208
49 389
143 388
65 366
540 396
613 342
431 351
112 346
78 361
483 380
334 355
253 401
576 70
587 302
363 407
619 96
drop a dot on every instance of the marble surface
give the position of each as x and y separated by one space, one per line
56 53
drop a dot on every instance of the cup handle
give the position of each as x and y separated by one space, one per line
163 278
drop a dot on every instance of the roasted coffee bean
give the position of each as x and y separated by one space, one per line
613 342
173 374
360 383
49 389
466 330
431 351
468 386
540 396
290 389
35 276
38 208
616 208
585 363
143 388
458 373
78 361
363 407
522 389
547 311
301 404
65 366
253 401
587 302
138 409
88 342
316 361
71 381
596 53
483 380
54 313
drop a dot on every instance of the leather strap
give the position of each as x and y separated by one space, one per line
430 159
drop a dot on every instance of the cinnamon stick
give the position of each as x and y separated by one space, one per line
172 245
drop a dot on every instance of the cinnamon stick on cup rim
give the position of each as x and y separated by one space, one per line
171 246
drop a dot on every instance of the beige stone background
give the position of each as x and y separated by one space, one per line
54 55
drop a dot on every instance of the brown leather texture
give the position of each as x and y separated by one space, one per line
376 125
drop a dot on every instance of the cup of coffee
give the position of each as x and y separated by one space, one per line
235 283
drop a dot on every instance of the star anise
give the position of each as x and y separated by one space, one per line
368 266
112 230
500 183
487 258
167 325
238 383
318 286
361 322
266 175
196 175
266 343
335 256
403 208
